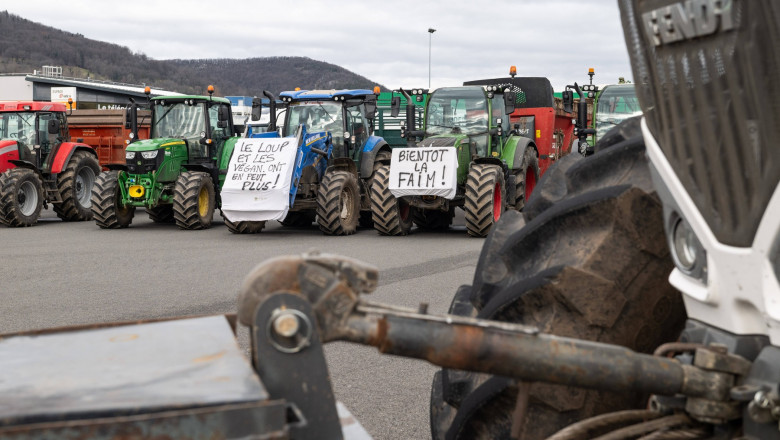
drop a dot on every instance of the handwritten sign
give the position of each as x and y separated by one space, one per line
257 184
424 171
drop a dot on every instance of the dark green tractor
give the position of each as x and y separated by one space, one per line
176 174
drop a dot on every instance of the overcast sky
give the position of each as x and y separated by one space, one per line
385 41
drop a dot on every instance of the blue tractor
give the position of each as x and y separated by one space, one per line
337 157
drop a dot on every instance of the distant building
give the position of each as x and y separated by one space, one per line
50 85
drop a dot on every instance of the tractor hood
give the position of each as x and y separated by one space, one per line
7 143
154 144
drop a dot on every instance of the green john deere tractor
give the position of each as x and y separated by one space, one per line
176 174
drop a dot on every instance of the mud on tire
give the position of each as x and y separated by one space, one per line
21 197
106 207
193 200
75 185
391 216
338 203
484 198
587 259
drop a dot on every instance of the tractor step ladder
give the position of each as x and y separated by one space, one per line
52 192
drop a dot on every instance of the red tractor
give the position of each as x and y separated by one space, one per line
40 165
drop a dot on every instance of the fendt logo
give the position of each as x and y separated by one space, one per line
687 20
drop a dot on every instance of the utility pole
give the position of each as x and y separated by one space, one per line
430 37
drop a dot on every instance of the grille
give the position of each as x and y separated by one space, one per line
711 101
147 165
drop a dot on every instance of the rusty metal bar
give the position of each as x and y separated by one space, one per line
524 355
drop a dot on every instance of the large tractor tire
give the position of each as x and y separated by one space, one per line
587 258
75 185
21 197
484 198
299 219
161 213
433 220
193 200
106 203
525 178
338 203
391 216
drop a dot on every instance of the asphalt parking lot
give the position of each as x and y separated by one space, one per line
61 274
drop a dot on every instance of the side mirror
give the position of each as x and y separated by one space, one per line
509 102
370 109
568 101
54 126
223 114
257 109
395 106
222 124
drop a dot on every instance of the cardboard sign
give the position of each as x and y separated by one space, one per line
257 184
424 171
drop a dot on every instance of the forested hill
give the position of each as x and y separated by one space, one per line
26 46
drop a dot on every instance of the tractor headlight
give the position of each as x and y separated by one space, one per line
148 154
687 252
129 155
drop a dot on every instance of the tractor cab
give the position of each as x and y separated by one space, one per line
346 114
202 123
473 111
37 128
614 104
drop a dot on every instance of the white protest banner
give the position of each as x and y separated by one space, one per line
424 171
257 184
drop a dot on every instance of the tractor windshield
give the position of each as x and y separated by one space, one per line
18 126
462 110
178 120
316 116
616 104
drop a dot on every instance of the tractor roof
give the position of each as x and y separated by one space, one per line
35 106
301 95
179 98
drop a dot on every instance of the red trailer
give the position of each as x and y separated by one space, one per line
105 131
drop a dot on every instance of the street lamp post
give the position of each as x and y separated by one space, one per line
430 37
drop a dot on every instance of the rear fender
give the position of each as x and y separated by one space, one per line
9 151
514 150
373 146
65 152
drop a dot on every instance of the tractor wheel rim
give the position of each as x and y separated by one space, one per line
496 202
27 198
85 180
530 183
203 201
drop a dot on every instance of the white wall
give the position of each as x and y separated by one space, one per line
15 88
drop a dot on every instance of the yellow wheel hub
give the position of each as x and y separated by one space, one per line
203 202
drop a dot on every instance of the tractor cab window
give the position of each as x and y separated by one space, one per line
459 110
357 125
616 104
180 120
19 127
317 116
